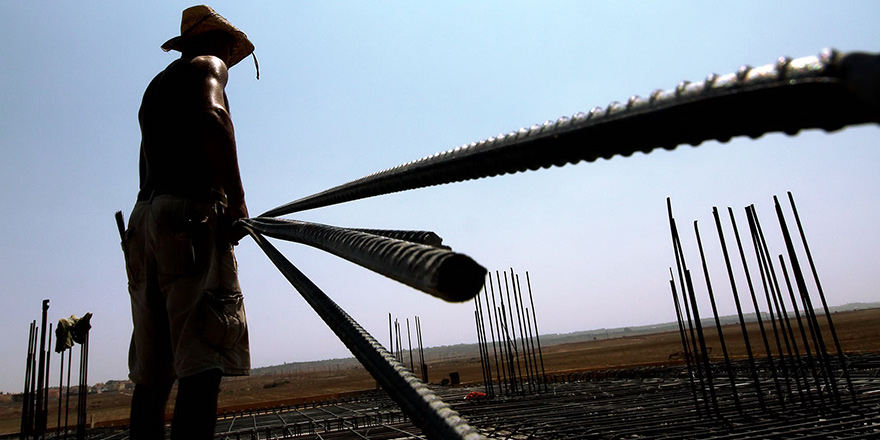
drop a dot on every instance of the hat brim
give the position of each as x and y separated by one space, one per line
241 45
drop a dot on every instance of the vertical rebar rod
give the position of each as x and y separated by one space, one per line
423 366
840 355
41 374
32 402
531 344
501 344
512 329
412 367
60 393
684 342
802 288
45 409
537 333
399 341
83 390
692 340
511 368
751 287
794 359
517 299
727 365
480 348
490 388
480 343
483 344
67 394
702 339
810 361
492 333
25 396
762 271
483 312
390 335
682 275
739 311
750 214
503 328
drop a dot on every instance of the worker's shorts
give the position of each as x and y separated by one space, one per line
186 303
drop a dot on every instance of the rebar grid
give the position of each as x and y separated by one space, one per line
643 403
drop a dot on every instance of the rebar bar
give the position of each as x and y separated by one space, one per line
498 369
840 354
701 357
751 287
766 261
422 365
537 334
39 420
751 215
26 421
517 299
439 272
810 361
717 320
484 345
684 342
828 91
436 419
805 295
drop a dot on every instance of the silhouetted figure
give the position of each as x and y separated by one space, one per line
187 309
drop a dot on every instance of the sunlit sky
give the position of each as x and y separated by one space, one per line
351 88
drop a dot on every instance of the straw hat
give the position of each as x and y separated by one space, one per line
200 19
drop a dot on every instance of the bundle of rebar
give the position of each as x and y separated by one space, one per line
802 367
518 366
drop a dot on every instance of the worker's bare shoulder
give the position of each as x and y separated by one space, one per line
209 66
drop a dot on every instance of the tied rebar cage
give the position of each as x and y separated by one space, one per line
829 91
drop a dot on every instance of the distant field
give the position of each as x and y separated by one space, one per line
859 332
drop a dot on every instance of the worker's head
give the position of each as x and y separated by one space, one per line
205 32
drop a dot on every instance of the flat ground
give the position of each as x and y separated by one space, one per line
859 332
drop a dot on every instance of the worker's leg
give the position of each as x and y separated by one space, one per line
148 412
195 410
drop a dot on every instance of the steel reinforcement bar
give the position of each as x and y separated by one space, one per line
437 271
433 416
829 92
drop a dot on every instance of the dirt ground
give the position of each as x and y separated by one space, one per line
858 331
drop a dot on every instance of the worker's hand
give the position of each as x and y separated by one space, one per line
232 229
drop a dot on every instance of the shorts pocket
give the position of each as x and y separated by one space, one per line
222 319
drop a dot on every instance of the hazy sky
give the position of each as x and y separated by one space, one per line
348 89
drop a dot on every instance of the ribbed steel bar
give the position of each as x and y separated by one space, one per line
828 91
745 265
440 272
840 354
684 341
794 357
730 372
810 362
537 335
807 302
26 420
436 419
752 218
753 371
701 357
421 237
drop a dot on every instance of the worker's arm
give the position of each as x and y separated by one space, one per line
219 139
